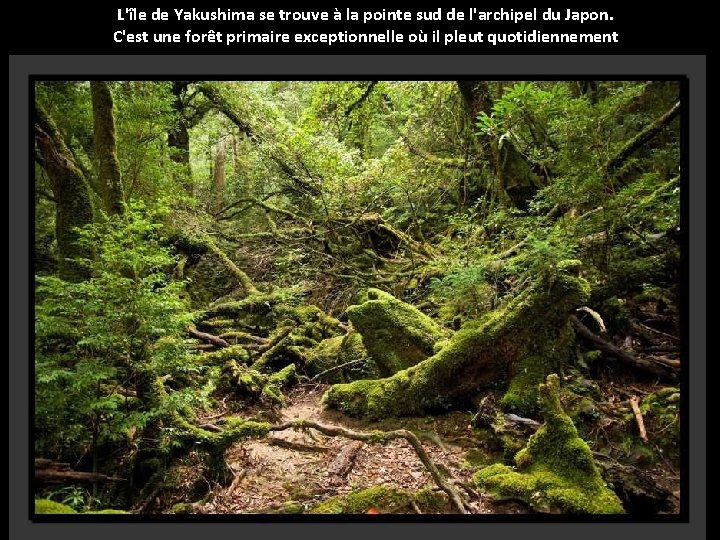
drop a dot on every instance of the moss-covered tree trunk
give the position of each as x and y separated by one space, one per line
179 138
514 182
73 208
526 340
109 180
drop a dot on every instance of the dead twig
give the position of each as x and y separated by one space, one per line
635 404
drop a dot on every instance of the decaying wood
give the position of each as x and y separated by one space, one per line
670 362
238 337
52 472
237 479
660 370
644 331
635 404
385 436
209 338
345 460
520 420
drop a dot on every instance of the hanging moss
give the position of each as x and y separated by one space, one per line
476 356
557 470
384 499
397 335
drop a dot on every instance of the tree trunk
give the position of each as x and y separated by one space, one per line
179 139
109 179
72 197
218 190
514 182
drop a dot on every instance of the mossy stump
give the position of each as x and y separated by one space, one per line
557 470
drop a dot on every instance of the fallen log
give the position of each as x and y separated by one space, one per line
297 446
345 460
52 472
209 338
660 370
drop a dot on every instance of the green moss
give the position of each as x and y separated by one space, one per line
182 508
397 335
339 350
108 511
234 352
521 395
475 357
277 381
283 378
46 506
288 507
218 323
557 470
475 457
386 500
243 380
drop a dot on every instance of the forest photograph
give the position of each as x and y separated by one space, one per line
291 300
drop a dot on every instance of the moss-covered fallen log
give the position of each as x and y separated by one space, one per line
532 328
556 470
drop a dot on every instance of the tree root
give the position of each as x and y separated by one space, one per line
661 370
381 437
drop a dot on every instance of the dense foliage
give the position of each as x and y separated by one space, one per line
240 206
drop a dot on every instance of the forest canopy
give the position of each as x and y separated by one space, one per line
359 297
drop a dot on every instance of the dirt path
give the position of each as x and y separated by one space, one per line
296 466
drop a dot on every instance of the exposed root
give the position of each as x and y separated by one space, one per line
381 437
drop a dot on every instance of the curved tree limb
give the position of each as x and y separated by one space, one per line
382 437
641 138
654 368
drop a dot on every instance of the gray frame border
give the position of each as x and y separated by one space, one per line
20 67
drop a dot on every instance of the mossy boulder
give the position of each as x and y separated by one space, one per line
395 334
385 500
557 472
478 355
